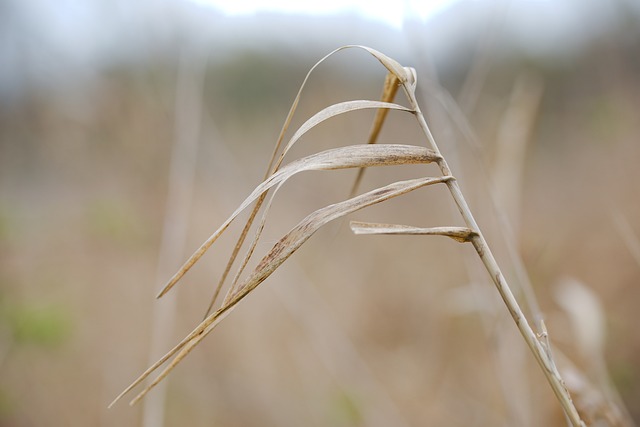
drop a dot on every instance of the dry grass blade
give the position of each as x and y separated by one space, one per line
390 64
344 157
270 169
391 87
459 234
337 109
280 252
586 315
298 235
394 68
339 158
182 348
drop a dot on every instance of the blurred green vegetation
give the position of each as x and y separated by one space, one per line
7 406
113 220
255 82
344 409
7 225
36 323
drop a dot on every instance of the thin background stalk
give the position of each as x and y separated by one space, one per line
188 116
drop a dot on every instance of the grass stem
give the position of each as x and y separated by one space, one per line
539 350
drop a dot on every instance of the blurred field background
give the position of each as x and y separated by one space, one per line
99 101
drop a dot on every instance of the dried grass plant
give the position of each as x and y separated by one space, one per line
359 157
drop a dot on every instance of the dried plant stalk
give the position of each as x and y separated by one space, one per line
539 349
389 91
358 157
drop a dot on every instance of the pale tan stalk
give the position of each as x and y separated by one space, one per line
389 91
484 252
627 234
188 115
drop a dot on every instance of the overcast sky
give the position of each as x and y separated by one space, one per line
46 42
376 10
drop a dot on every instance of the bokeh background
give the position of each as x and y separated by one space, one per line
130 130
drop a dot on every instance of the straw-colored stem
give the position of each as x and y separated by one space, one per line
484 252
389 90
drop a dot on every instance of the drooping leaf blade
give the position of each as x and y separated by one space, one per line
280 252
338 158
